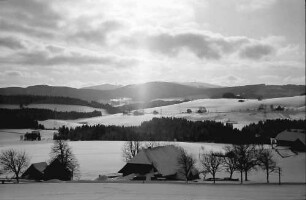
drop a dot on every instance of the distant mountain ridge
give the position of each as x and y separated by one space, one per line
103 87
156 90
199 84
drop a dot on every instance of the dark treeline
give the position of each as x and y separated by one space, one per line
24 100
170 129
263 131
158 129
18 122
27 117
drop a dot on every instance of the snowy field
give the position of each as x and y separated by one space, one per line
223 110
139 191
104 157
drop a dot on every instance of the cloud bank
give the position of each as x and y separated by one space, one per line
137 41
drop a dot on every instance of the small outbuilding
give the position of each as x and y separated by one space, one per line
35 171
294 138
157 163
34 135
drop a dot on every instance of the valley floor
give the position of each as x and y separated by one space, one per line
148 191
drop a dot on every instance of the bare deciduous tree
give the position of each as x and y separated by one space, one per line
186 163
63 152
229 161
246 159
266 162
211 163
130 149
14 161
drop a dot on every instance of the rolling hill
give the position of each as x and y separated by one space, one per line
103 87
156 90
199 84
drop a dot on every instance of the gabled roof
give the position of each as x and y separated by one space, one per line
35 171
56 170
140 158
41 166
292 135
163 158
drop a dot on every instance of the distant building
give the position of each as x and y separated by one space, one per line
158 162
294 138
34 135
202 110
35 171
280 108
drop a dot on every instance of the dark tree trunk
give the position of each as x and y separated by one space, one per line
214 177
231 174
267 175
17 178
241 176
246 175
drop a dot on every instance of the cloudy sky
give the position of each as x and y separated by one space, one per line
91 42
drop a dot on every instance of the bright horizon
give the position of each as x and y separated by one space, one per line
122 42
120 85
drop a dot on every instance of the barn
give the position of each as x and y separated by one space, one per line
157 163
56 170
35 171
294 138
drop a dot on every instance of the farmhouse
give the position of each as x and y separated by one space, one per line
56 170
42 171
155 163
295 138
35 171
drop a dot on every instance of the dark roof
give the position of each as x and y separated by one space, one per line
163 159
131 168
56 170
292 135
35 171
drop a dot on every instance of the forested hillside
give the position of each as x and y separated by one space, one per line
24 100
176 129
159 90
28 117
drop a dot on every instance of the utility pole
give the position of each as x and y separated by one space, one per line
279 175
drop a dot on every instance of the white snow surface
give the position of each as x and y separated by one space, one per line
149 191
223 110
105 157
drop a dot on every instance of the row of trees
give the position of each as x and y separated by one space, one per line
16 162
177 129
157 129
241 158
24 100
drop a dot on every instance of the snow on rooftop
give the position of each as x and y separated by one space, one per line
41 166
164 158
